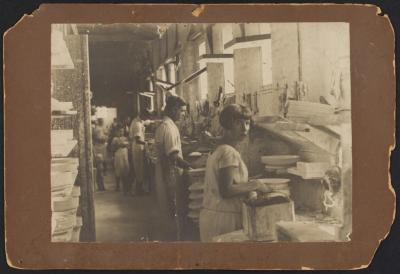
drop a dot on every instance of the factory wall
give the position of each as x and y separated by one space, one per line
247 70
294 45
328 45
285 55
190 90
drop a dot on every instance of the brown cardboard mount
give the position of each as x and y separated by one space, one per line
27 156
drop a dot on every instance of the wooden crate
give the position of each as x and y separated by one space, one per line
259 222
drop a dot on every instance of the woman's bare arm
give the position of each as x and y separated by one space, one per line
229 188
176 159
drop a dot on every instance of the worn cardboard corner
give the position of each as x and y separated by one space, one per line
198 10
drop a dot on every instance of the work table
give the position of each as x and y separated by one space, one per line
188 146
327 227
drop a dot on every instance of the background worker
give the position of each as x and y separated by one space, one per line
136 136
100 150
168 167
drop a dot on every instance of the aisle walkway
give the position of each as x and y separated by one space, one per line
122 218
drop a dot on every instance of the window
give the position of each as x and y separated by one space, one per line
146 101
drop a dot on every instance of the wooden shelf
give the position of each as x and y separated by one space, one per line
245 39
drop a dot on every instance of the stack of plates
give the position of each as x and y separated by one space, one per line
279 163
280 160
194 196
196 193
196 205
197 172
196 187
195 154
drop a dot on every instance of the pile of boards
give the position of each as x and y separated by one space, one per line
65 224
311 113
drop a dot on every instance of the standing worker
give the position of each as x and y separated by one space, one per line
169 162
226 180
136 136
99 148
120 146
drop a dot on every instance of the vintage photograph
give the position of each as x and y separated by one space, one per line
206 132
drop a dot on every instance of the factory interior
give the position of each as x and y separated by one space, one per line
106 79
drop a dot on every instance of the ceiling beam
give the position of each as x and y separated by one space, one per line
143 31
115 38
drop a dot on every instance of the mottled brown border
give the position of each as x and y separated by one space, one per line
27 143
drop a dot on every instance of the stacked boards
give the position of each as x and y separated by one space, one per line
65 224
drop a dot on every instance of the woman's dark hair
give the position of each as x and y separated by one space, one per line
233 112
173 102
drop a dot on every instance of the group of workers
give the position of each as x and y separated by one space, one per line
124 143
226 177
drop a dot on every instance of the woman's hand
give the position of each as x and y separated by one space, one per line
184 164
261 187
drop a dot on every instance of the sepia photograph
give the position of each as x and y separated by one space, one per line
201 132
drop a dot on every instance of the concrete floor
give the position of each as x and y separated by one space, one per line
121 218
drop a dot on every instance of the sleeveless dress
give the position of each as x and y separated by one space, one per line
221 215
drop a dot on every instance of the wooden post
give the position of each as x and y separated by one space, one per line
299 52
88 232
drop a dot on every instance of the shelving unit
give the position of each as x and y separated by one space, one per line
65 224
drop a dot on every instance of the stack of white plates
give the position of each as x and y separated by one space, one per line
196 193
279 163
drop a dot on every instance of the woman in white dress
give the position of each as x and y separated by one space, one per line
120 146
136 135
226 178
